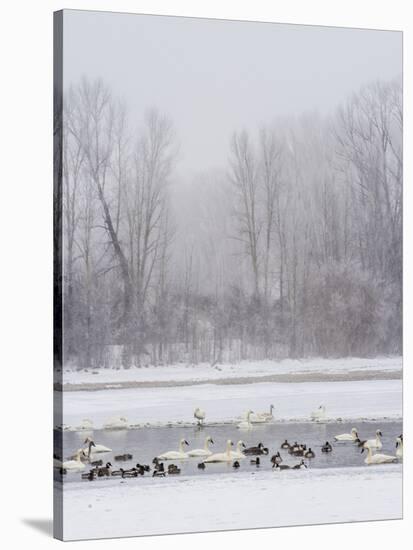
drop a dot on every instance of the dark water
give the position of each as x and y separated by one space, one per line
146 443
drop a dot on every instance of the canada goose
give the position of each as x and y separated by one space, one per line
246 424
105 470
319 414
126 456
158 473
285 445
256 461
236 464
299 452
201 466
160 467
238 453
294 448
257 450
282 466
377 458
97 462
173 469
96 448
300 465
115 473
399 447
199 414
327 448
202 452
373 443
176 455
90 476
146 467
221 457
276 459
352 436
309 453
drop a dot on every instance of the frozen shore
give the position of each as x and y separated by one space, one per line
372 399
234 501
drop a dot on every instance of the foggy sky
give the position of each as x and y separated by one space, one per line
214 77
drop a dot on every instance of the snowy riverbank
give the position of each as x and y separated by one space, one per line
372 399
234 501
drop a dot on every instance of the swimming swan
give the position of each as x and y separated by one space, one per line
238 453
202 452
75 464
373 443
85 426
175 455
96 448
221 457
319 414
377 458
399 447
116 423
352 436
199 414
262 416
246 424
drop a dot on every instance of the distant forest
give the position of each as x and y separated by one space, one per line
294 249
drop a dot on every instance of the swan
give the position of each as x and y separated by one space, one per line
373 443
75 464
319 414
246 424
262 416
96 448
377 458
199 414
238 453
352 436
399 447
202 452
116 423
175 455
221 457
85 426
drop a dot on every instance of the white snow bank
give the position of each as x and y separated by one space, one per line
365 399
235 501
205 372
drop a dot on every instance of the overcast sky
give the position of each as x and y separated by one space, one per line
213 77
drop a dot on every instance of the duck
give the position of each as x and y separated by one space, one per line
282 466
236 464
302 464
201 466
199 414
74 464
276 459
352 436
255 461
399 447
175 455
258 450
239 452
285 445
97 448
319 414
246 424
124 457
373 443
116 423
221 457
327 448
309 453
377 458
202 452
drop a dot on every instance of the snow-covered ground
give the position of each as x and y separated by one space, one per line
363 399
245 369
238 500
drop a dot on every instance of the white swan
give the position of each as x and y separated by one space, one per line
319 414
266 415
352 436
75 464
97 448
246 424
199 414
237 454
221 457
85 426
116 423
373 443
175 455
377 458
399 447
202 452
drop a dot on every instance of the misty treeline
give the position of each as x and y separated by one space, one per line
293 249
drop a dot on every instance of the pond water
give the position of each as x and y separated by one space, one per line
146 443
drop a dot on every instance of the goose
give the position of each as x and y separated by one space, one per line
294 448
239 452
116 423
282 466
105 470
175 455
246 424
97 462
309 453
258 450
285 445
158 473
236 464
327 448
256 461
199 414
90 476
173 469
373 443
276 459
75 464
399 447
300 465
319 414
201 466
96 448
126 456
202 452
352 436
377 458
221 457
